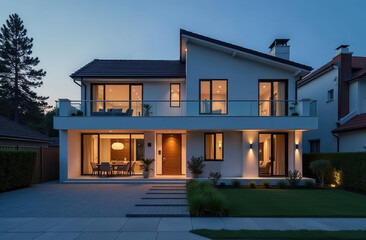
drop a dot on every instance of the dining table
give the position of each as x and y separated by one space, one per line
114 166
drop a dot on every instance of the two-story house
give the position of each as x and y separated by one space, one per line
339 87
233 106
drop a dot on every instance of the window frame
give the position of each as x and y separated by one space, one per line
171 95
104 92
314 141
330 91
272 103
200 100
222 146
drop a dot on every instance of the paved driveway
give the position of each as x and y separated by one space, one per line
71 200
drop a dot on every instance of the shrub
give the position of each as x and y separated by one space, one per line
204 199
253 184
16 169
195 166
320 168
266 184
222 184
214 177
281 184
309 184
352 165
145 163
294 178
236 184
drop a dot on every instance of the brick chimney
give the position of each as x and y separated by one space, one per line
344 59
279 48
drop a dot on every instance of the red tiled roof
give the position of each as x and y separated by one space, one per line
356 123
358 67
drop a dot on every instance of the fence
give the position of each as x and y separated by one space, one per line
47 164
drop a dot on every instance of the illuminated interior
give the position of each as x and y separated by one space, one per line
272 90
213 96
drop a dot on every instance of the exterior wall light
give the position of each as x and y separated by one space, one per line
251 146
297 146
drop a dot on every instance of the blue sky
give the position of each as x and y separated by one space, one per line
70 33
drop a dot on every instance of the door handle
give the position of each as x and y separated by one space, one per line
164 160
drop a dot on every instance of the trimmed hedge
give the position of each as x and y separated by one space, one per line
16 169
352 165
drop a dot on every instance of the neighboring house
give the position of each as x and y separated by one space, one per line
17 135
340 90
234 106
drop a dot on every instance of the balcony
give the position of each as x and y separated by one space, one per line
187 108
187 114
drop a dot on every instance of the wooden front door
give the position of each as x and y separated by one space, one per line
172 152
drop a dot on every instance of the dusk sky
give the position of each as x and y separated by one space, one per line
70 33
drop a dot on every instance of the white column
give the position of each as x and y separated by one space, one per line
250 155
63 135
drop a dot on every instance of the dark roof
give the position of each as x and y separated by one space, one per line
131 68
12 130
358 70
246 50
308 78
356 123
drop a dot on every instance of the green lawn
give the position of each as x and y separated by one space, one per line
294 203
269 234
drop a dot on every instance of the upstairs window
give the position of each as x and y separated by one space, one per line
330 95
175 94
213 97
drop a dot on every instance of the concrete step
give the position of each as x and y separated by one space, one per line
162 202
125 181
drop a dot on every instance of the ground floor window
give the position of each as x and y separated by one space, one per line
214 146
314 146
272 154
113 149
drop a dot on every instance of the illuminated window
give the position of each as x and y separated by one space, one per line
213 97
175 95
214 146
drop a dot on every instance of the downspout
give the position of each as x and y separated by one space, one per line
336 136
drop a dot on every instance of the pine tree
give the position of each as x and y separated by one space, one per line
17 73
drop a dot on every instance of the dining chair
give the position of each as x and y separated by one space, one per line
126 168
105 168
94 167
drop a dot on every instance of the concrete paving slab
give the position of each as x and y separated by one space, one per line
98 236
141 224
19 236
59 236
8 223
240 223
334 224
207 223
37 225
71 225
175 224
105 225
179 236
273 224
137 236
306 224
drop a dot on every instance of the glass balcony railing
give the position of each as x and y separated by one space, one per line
242 108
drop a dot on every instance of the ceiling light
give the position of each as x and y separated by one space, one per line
218 91
219 86
118 146
133 90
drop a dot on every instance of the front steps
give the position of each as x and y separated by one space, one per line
162 201
126 181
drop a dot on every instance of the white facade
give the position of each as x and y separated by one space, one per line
240 127
327 110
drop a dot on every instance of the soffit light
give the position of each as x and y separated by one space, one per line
118 146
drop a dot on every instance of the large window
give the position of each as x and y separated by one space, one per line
273 98
112 148
175 95
214 146
117 98
272 154
213 96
